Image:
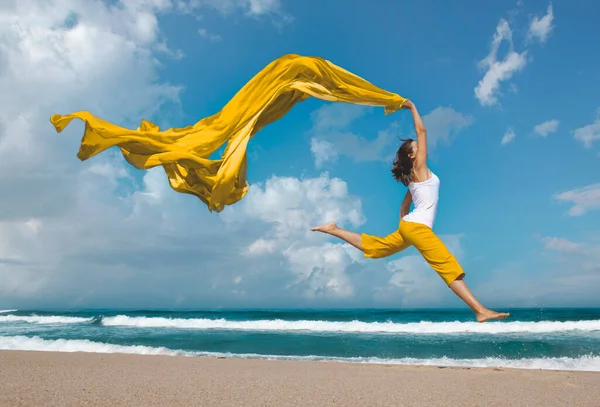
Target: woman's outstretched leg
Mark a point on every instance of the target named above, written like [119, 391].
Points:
[373, 247]
[355, 239]
[483, 314]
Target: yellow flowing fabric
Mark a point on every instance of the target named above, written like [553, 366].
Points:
[184, 152]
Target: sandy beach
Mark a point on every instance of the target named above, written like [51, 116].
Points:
[89, 379]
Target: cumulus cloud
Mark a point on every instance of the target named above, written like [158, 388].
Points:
[498, 70]
[544, 129]
[262, 246]
[332, 135]
[290, 207]
[321, 270]
[508, 137]
[322, 151]
[103, 61]
[583, 199]
[540, 28]
[97, 232]
[589, 134]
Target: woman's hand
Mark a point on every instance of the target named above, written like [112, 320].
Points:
[407, 104]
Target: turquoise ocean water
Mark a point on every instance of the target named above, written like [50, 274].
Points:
[532, 338]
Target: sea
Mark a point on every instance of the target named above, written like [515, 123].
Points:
[556, 339]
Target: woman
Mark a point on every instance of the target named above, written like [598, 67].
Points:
[415, 229]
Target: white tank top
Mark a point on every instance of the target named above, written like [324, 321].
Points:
[425, 197]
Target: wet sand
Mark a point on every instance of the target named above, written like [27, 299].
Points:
[91, 379]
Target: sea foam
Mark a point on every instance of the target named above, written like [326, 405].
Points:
[44, 319]
[583, 363]
[424, 327]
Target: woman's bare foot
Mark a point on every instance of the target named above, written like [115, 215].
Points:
[489, 314]
[331, 228]
[326, 228]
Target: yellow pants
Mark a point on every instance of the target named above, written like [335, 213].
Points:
[423, 239]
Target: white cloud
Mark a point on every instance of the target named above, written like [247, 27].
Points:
[562, 245]
[294, 205]
[410, 283]
[291, 207]
[589, 134]
[262, 246]
[564, 273]
[260, 7]
[502, 70]
[544, 281]
[102, 62]
[252, 8]
[256, 9]
[508, 137]
[543, 129]
[209, 36]
[332, 136]
[322, 151]
[443, 123]
[584, 257]
[584, 199]
[541, 27]
[321, 270]
[90, 233]
[356, 147]
[336, 116]
[498, 71]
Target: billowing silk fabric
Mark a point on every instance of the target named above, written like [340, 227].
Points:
[184, 152]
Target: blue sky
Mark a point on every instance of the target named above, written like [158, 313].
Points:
[509, 95]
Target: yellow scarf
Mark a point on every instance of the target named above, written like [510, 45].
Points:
[184, 152]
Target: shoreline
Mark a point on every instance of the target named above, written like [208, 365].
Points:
[112, 379]
[298, 359]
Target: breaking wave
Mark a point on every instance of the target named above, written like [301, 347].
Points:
[583, 363]
[44, 319]
[424, 327]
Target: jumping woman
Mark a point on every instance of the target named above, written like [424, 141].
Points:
[415, 229]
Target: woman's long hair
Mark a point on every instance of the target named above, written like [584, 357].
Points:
[403, 164]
